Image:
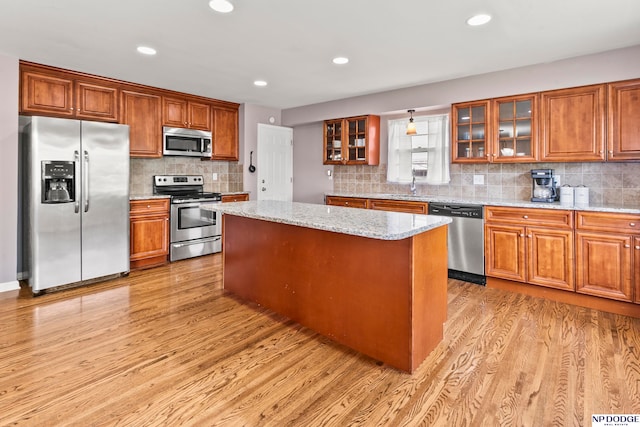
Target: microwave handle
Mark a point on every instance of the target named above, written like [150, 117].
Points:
[206, 145]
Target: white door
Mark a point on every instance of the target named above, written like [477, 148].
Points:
[275, 163]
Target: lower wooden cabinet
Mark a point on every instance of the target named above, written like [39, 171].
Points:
[608, 255]
[399, 206]
[351, 202]
[540, 254]
[149, 232]
[235, 198]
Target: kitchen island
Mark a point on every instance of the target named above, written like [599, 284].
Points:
[373, 281]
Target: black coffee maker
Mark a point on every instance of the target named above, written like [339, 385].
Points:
[544, 186]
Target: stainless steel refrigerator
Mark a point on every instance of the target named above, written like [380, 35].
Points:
[75, 201]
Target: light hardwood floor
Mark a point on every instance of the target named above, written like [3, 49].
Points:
[168, 346]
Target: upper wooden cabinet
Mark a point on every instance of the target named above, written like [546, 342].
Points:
[141, 111]
[470, 132]
[623, 142]
[225, 134]
[51, 93]
[352, 141]
[497, 130]
[184, 113]
[573, 124]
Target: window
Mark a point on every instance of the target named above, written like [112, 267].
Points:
[424, 155]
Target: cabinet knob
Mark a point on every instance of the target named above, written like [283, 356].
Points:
[637, 247]
[148, 206]
[529, 235]
[526, 217]
[522, 235]
[632, 224]
[610, 151]
[627, 246]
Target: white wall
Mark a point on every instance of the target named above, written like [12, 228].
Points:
[8, 172]
[250, 116]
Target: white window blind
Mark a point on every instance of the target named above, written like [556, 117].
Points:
[425, 155]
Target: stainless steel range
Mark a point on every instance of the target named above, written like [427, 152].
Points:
[194, 231]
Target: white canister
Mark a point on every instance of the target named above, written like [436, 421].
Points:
[581, 196]
[566, 195]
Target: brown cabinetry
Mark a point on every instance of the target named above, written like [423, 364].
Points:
[225, 134]
[51, 93]
[235, 198]
[141, 111]
[184, 113]
[399, 206]
[352, 141]
[530, 245]
[607, 253]
[573, 124]
[470, 131]
[351, 202]
[623, 142]
[149, 232]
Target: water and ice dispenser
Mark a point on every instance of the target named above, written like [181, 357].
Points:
[58, 181]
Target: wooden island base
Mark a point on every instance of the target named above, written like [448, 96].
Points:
[384, 298]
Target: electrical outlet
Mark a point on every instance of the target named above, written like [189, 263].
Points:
[478, 179]
[558, 181]
[214, 176]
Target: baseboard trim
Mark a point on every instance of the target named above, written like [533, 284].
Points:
[10, 286]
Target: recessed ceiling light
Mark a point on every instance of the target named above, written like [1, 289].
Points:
[146, 50]
[340, 60]
[222, 6]
[479, 19]
[260, 83]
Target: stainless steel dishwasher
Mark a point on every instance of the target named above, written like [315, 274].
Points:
[465, 240]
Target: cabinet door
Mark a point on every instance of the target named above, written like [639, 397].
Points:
[199, 116]
[96, 102]
[333, 153]
[515, 135]
[636, 270]
[174, 112]
[572, 124]
[505, 252]
[550, 258]
[45, 94]
[361, 140]
[624, 126]
[149, 236]
[603, 265]
[469, 132]
[141, 111]
[225, 134]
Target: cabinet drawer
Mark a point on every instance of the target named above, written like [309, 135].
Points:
[608, 222]
[149, 206]
[235, 198]
[351, 202]
[398, 206]
[547, 217]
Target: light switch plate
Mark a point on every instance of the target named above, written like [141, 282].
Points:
[214, 176]
[478, 179]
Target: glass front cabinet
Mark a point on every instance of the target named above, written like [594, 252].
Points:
[496, 130]
[352, 141]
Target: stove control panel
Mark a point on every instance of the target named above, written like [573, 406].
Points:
[182, 180]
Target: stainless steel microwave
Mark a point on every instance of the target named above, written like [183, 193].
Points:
[186, 142]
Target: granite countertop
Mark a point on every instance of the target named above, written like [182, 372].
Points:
[491, 202]
[357, 222]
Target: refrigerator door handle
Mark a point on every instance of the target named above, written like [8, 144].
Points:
[76, 158]
[85, 181]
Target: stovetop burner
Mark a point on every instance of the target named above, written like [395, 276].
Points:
[183, 188]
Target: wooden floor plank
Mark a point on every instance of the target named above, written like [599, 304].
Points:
[169, 346]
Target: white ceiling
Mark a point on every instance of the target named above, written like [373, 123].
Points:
[290, 43]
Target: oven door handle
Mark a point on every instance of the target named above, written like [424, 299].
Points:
[196, 242]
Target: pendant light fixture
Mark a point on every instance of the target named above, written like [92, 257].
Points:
[411, 127]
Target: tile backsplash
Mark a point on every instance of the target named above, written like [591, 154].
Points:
[609, 183]
[143, 170]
